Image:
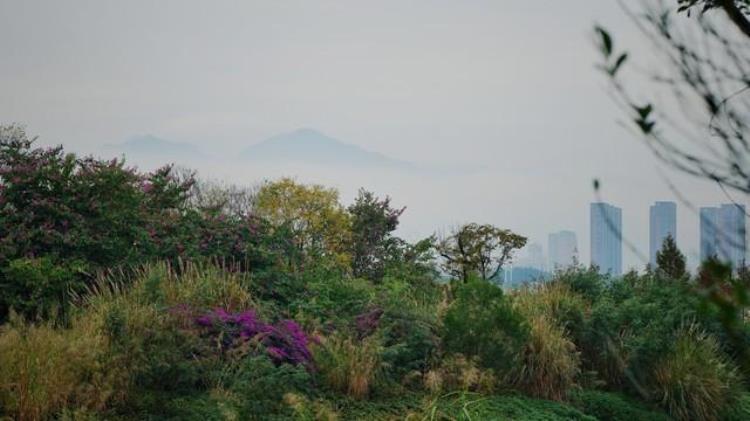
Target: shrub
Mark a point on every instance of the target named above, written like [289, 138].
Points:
[284, 342]
[695, 381]
[38, 288]
[549, 364]
[587, 282]
[349, 366]
[257, 387]
[409, 342]
[481, 322]
[333, 299]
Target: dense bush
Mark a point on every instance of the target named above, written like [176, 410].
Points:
[39, 288]
[284, 342]
[695, 381]
[82, 215]
[481, 322]
[260, 387]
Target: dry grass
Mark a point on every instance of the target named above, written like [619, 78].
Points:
[45, 370]
[458, 373]
[550, 362]
[349, 366]
[308, 410]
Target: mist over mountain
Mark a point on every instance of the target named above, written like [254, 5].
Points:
[310, 146]
[148, 148]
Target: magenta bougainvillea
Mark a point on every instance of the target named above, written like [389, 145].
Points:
[283, 342]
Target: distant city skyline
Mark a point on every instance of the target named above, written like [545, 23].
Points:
[722, 233]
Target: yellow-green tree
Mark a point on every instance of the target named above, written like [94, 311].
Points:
[312, 215]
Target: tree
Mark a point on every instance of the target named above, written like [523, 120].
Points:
[373, 221]
[318, 224]
[670, 260]
[479, 250]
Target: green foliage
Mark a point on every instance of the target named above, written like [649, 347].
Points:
[614, 407]
[586, 282]
[670, 261]
[482, 322]
[470, 406]
[333, 299]
[738, 409]
[373, 221]
[39, 289]
[260, 387]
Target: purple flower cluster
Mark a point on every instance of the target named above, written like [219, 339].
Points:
[284, 342]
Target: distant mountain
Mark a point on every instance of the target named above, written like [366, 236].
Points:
[152, 147]
[313, 147]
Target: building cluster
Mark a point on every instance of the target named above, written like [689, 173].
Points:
[722, 235]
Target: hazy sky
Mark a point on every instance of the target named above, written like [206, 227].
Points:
[506, 86]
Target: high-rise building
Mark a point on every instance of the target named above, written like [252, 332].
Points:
[662, 223]
[562, 249]
[535, 256]
[722, 233]
[709, 233]
[606, 238]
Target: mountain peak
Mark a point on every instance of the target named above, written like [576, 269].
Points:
[307, 145]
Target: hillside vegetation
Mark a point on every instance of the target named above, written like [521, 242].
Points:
[126, 295]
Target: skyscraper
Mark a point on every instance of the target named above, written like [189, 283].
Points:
[662, 222]
[722, 232]
[709, 233]
[535, 256]
[562, 249]
[606, 238]
[732, 239]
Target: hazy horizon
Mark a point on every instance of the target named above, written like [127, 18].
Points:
[500, 101]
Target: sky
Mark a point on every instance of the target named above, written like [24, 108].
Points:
[508, 89]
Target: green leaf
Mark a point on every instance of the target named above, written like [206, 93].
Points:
[644, 112]
[620, 60]
[606, 41]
